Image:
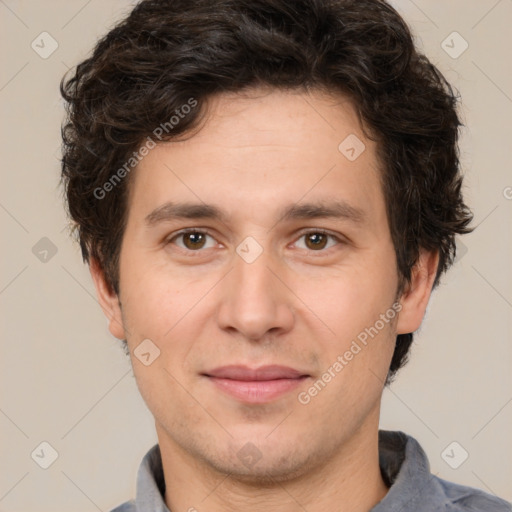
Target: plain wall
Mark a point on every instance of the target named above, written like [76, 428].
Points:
[65, 380]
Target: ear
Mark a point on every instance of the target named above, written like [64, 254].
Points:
[109, 301]
[416, 294]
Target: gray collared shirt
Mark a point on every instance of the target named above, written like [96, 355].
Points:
[404, 467]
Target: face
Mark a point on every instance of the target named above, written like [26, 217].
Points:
[258, 261]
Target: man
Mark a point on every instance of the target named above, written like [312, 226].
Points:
[266, 193]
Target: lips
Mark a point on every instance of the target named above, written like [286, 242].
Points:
[273, 372]
[256, 386]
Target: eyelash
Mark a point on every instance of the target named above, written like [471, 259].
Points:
[203, 231]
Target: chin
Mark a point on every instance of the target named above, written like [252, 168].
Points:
[263, 474]
[265, 466]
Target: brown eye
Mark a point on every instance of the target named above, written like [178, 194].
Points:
[316, 241]
[193, 240]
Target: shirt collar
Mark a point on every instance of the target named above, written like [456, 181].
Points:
[151, 483]
[405, 466]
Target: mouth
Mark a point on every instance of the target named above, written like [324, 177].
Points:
[259, 385]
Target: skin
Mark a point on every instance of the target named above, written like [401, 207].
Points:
[295, 305]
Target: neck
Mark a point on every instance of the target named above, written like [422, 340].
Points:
[350, 481]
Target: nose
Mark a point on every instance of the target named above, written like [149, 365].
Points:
[255, 303]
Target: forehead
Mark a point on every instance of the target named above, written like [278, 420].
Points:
[273, 117]
[266, 147]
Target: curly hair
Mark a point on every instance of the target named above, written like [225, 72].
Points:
[166, 52]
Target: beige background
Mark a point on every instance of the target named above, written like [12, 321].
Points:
[66, 381]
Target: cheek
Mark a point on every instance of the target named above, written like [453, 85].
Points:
[351, 304]
[155, 301]
[347, 301]
[354, 374]
[169, 311]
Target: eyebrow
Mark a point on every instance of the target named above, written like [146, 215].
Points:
[170, 211]
[331, 209]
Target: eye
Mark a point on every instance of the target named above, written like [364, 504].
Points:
[317, 240]
[196, 239]
[193, 240]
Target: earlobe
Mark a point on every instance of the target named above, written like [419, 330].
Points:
[415, 297]
[108, 299]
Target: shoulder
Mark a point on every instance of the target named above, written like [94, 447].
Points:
[412, 486]
[129, 506]
[460, 498]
